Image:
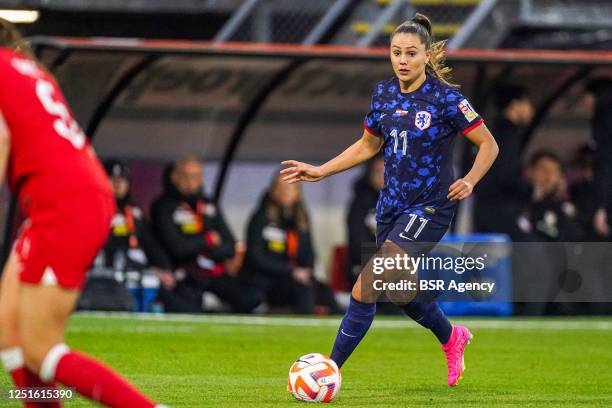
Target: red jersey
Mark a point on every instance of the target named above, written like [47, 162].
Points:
[46, 143]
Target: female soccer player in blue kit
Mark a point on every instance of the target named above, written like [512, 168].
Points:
[414, 118]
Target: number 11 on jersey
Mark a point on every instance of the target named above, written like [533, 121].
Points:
[404, 136]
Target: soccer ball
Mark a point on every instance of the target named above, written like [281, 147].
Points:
[314, 378]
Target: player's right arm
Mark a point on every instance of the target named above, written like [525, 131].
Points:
[4, 147]
[360, 151]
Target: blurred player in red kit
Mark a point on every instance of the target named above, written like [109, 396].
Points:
[68, 201]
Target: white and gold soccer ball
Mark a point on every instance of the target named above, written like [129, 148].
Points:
[314, 378]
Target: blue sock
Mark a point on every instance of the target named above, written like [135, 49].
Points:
[430, 316]
[354, 326]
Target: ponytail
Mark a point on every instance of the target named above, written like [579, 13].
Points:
[421, 26]
[11, 38]
[436, 65]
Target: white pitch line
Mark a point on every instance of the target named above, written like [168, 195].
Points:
[499, 324]
[158, 328]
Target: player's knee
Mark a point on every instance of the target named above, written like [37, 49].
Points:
[357, 295]
[33, 356]
[363, 290]
[44, 359]
[35, 348]
[356, 292]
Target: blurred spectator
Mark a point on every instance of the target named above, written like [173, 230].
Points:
[129, 229]
[549, 215]
[600, 97]
[280, 252]
[501, 194]
[362, 214]
[200, 245]
[131, 254]
[583, 192]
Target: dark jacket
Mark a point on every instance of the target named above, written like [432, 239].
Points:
[550, 220]
[131, 236]
[274, 249]
[183, 226]
[361, 221]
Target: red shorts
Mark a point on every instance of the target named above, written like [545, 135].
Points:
[63, 233]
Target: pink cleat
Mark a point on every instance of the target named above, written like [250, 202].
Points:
[454, 349]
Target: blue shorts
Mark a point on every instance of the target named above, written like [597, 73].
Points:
[417, 231]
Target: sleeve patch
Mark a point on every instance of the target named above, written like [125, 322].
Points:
[467, 110]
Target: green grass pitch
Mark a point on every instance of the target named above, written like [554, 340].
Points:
[226, 361]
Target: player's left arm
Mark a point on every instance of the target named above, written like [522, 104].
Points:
[487, 152]
[4, 147]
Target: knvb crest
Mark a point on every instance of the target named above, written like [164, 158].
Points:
[422, 120]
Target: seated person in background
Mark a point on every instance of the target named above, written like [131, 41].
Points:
[549, 216]
[195, 235]
[131, 255]
[280, 254]
[361, 219]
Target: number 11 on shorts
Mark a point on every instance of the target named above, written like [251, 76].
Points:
[406, 232]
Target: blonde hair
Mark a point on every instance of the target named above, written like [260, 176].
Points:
[11, 38]
[421, 26]
[274, 212]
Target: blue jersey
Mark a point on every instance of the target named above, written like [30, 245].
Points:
[418, 130]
